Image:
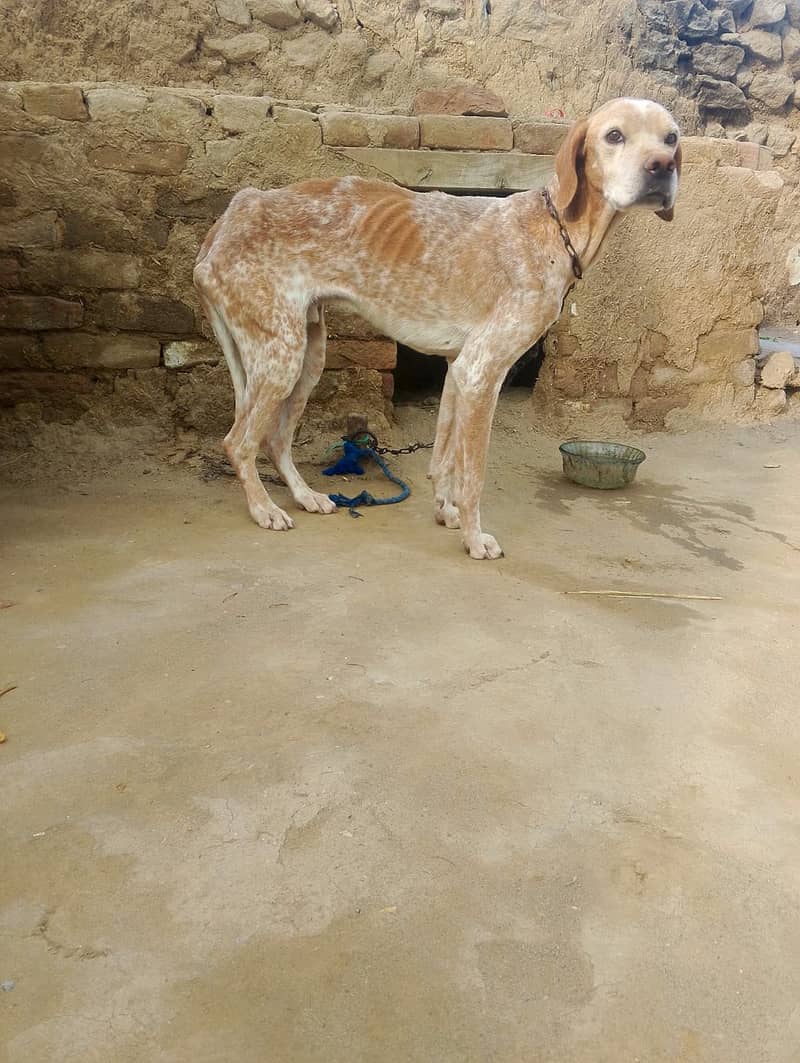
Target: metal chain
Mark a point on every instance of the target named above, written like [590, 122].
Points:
[573, 254]
[410, 449]
[370, 440]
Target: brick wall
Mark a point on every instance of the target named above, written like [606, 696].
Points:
[106, 192]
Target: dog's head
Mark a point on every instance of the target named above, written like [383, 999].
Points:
[628, 152]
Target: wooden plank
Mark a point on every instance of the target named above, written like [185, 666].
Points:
[457, 171]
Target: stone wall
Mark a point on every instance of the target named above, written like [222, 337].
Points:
[106, 192]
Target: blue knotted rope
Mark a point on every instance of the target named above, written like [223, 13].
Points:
[349, 463]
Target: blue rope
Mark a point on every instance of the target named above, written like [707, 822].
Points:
[365, 498]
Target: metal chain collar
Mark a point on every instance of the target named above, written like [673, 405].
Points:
[573, 254]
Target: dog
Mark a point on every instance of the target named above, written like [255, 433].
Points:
[476, 279]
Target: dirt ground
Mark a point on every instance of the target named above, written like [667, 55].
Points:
[342, 794]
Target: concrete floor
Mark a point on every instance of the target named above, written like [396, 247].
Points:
[344, 795]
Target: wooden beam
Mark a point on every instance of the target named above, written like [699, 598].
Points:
[457, 171]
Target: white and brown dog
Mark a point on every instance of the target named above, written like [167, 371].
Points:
[475, 279]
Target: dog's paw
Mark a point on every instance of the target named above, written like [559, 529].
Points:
[447, 514]
[314, 502]
[272, 517]
[484, 548]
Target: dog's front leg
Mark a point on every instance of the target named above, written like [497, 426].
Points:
[475, 408]
[478, 373]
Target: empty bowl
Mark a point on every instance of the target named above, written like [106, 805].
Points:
[601, 465]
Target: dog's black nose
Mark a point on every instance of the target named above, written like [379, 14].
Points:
[660, 165]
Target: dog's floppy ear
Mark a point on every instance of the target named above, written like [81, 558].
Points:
[568, 165]
[669, 213]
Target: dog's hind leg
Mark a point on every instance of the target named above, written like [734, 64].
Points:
[229, 349]
[273, 361]
[279, 446]
[442, 467]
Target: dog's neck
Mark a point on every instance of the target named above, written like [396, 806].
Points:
[588, 222]
[590, 229]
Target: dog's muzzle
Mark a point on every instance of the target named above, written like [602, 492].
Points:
[658, 190]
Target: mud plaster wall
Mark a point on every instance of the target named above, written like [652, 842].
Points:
[107, 192]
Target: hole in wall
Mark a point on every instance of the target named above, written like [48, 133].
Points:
[421, 376]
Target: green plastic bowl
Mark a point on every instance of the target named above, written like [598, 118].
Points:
[600, 465]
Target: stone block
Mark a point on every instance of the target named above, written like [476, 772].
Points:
[85, 268]
[769, 403]
[140, 312]
[744, 372]
[87, 349]
[388, 385]
[380, 65]
[241, 114]
[308, 51]
[21, 351]
[55, 101]
[457, 133]
[780, 140]
[154, 157]
[221, 153]
[344, 323]
[243, 48]
[15, 148]
[460, 100]
[767, 12]
[762, 45]
[778, 370]
[540, 138]
[179, 115]
[772, 88]
[321, 12]
[369, 130]
[727, 346]
[113, 231]
[791, 50]
[235, 11]
[110, 103]
[207, 207]
[369, 354]
[726, 153]
[293, 116]
[444, 8]
[37, 313]
[35, 230]
[280, 14]
[719, 60]
[715, 95]
[754, 157]
[10, 272]
[184, 354]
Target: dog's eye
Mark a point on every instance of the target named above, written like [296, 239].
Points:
[671, 138]
[614, 136]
